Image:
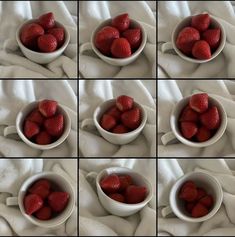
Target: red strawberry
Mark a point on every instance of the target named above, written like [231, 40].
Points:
[104, 39]
[32, 203]
[188, 183]
[110, 184]
[199, 102]
[131, 118]
[43, 138]
[47, 43]
[47, 20]
[121, 48]
[120, 129]
[188, 129]
[40, 190]
[115, 112]
[207, 201]
[47, 107]
[135, 194]
[124, 102]
[117, 197]
[125, 181]
[203, 134]
[133, 36]
[211, 118]
[58, 201]
[186, 39]
[199, 210]
[188, 194]
[200, 193]
[31, 129]
[29, 35]
[44, 213]
[36, 117]
[189, 115]
[107, 122]
[121, 22]
[42, 182]
[58, 33]
[189, 206]
[201, 50]
[55, 125]
[212, 37]
[201, 22]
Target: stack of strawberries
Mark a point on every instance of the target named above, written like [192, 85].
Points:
[123, 117]
[43, 35]
[122, 189]
[199, 120]
[118, 40]
[199, 40]
[198, 202]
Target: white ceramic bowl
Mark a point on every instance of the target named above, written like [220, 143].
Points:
[119, 208]
[115, 138]
[38, 57]
[203, 180]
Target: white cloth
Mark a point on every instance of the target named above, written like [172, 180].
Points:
[92, 13]
[171, 13]
[13, 172]
[94, 219]
[92, 94]
[171, 91]
[13, 64]
[223, 222]
[14, 94]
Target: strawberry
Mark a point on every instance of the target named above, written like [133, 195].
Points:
[188, 129]
[55, 125]
[203, 134]
[188, 194]
[131, 118]
[201, 22]
[47, 20]
[42, 182]
[135, 194]
[107, 122]
[211, 118]
[115, 112]
[40, 190]
[133, 36]
[30, 33]
[199, 102]
[104, 39]
[189, 115]
[117, 197]
[120, 129]
[58, 33]
[207, 201]
[47, 107]
[199, 210]
[121, 48]
[189, 206]
[58, 201]
[188, 183]
[125, 181]
[32, 203]
[110, 184]
[212, 37]
[43, 138]
[186, 39]
[47, 43]
[31, 129]
[200, 193]
[201, 50]
[36, 117]
[121, 22]
[44, 213]
[124, 102]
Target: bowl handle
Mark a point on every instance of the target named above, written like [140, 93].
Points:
[85, 47]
